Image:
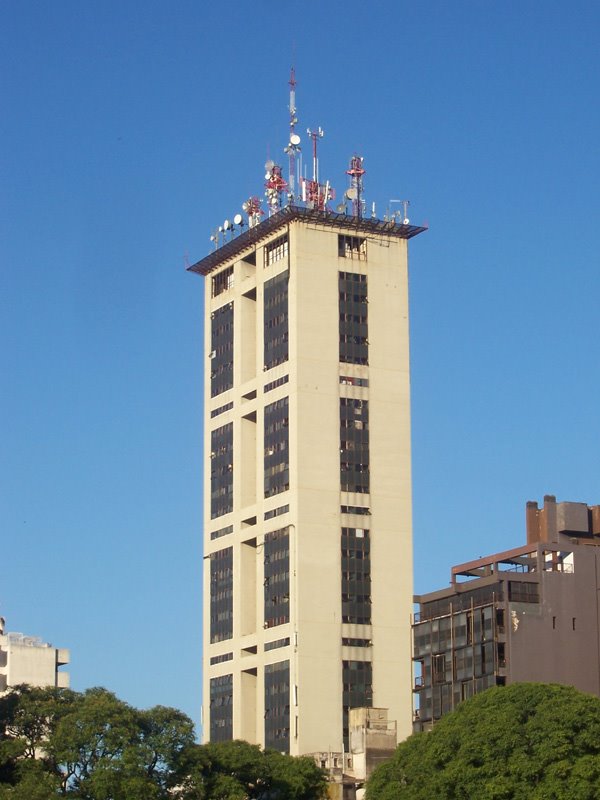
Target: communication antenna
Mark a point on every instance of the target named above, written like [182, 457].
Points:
[294, 141]
[275, 186]
[397, 216]
[315, 136]
[253, 210]
[355, 191]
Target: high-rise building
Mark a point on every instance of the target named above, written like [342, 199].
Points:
[307, 494]
[527, 614]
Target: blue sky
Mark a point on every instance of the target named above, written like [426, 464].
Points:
[129, 131]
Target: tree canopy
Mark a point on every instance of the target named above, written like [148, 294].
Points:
[520, 742]
[93, 746]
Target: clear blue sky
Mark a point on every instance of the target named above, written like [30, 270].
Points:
[129, 131]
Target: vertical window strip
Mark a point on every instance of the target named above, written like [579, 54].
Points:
[276, 332]
[221, 373]
[354, 445]
[221, 470]
[277, 706]
[356, 576]
[277, 578]
[221, 595]
[276, 448]
[353, 309]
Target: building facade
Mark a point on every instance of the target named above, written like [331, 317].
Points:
[307, 493]
[27, 659]
[527, 614]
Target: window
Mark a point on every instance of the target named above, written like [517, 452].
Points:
[277, 706]
[221, 708]
[221, 595]
[276, 321]
[276, 450]
[221, 532]
[276, 512]
[221, 373]
[222, 281]
[221, 470]
[352, 247]
[353, 305]
[277, 644]
[221, 410]
[274, 384]
[356, 576]
[276, 251]
[357, 680]
[277, 578]
[221, 659]
[523, 592]
[354, 445]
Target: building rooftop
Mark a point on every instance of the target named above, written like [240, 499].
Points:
[291, 213]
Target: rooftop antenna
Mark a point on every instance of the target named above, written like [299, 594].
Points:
[275, 186]
[396, 215]
[315, 194]
[294, 141]
[315, 136]
[355, 191]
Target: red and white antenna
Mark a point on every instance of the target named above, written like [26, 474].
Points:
[253, 210]
[275, 186]
[315, 194]
[294, 142]
[355, 190]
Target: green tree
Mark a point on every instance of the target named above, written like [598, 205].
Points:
[93, 746]
[521, 742]
[237, 770]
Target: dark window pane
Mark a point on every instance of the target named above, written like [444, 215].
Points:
[277, 577]
[221, 373]
[277, 706]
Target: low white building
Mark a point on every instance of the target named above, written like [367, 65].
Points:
[27, 659]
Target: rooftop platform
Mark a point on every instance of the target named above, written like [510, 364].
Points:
[346, 222]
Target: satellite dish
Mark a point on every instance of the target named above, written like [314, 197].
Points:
[294, 139]
[352, 193]
[244, 206]
[226, 225]
[267, 176]
[405, 221]
[238, 219]
[269, 165]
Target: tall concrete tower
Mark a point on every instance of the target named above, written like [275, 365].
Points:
[307, 494]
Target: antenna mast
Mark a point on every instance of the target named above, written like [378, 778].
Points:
[294, 142]
[354, 193]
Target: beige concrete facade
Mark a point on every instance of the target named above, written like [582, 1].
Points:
[314, 509]
[26, 659]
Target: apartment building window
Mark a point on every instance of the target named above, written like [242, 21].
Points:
[277, 578]
[354, 445]
[352, 247]
[221, 708]
[222, 281]
[356, 576]
[221, 470]
[276, 251]
[221, 355]
[523, 592]
[276, 451]
[276, 331]
[221, 595]
[353, 305]
[357, 680]
[277, 706]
